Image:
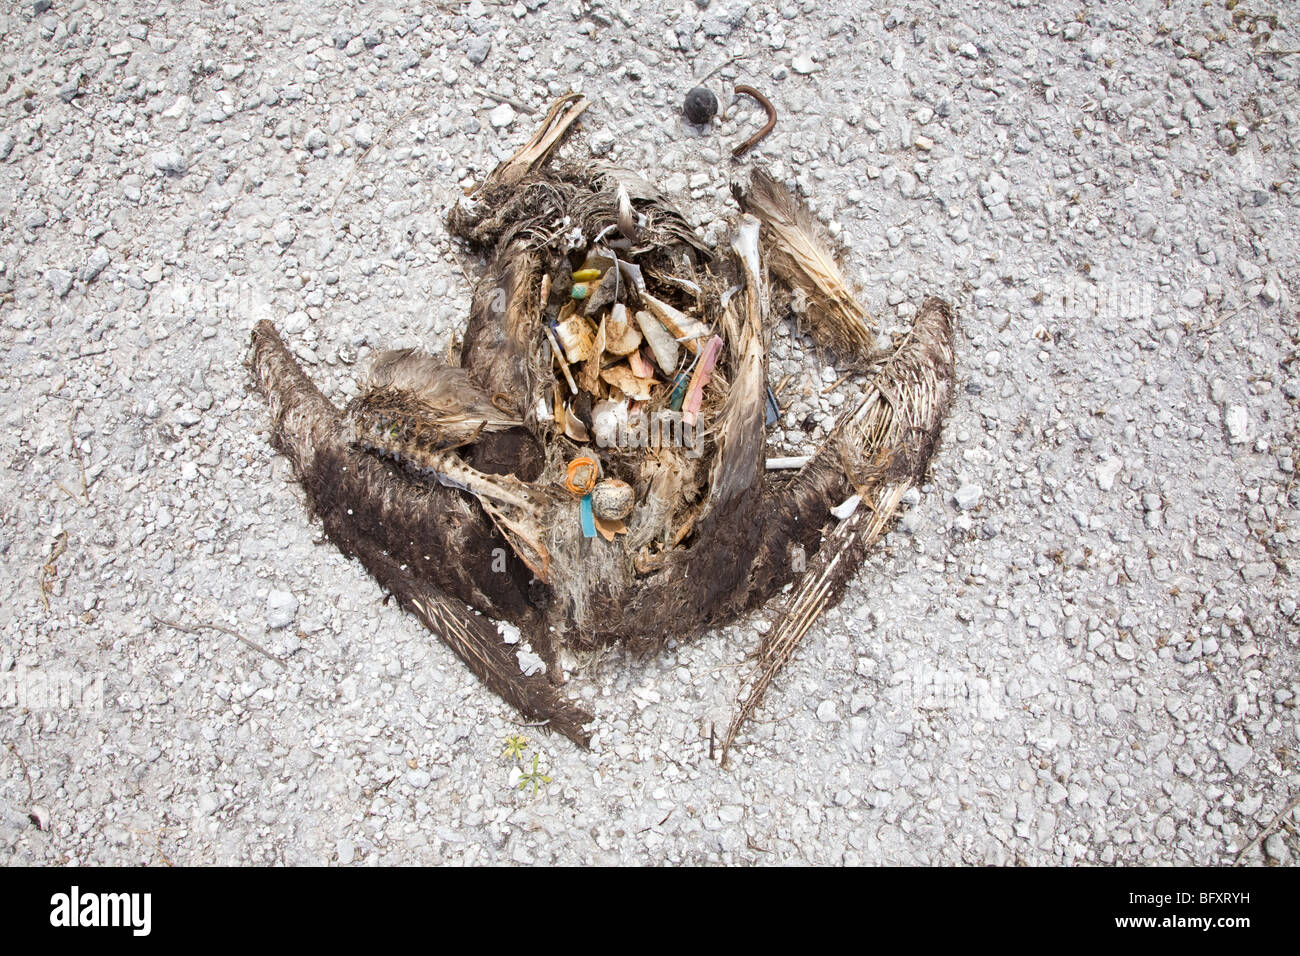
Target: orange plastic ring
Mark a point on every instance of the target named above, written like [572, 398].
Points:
[582, 476]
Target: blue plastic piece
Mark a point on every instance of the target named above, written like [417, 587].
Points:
[679, 391]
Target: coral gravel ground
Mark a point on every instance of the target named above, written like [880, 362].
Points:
[1079, 646]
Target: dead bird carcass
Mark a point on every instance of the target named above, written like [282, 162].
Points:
[594, 470]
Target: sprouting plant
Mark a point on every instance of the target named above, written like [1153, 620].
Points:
[534, 776]
[516, 744]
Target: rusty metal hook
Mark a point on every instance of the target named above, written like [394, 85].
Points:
[754, 140]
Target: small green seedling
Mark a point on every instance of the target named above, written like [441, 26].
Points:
[516, 744]
[535, 777]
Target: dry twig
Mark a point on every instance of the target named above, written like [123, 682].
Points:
[198, 629]
[515, 104]
[81, 464]
[31, 793]
[49, 570]
[366, 152]
[1264, 834]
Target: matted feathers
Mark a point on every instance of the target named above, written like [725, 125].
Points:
[803, 256]
[738, 437]
[414, 402]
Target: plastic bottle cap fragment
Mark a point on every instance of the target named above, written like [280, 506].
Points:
[582, 476]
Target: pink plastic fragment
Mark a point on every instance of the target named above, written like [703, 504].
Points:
[703, 372]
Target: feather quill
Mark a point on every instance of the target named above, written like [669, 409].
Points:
[803, 256]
